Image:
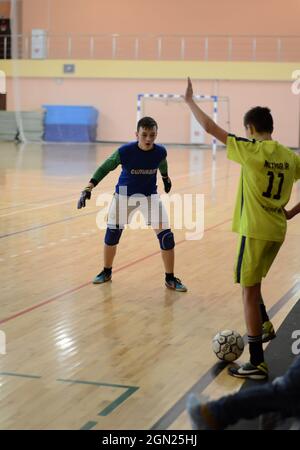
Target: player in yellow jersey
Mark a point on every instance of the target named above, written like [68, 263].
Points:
[268, 172]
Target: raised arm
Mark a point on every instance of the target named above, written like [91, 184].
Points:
[207, 123]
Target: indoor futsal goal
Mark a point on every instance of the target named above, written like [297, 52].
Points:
[176, 123]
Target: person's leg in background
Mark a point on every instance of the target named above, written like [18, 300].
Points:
[282, 396]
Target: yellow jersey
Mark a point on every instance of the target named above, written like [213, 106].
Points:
[268, 172]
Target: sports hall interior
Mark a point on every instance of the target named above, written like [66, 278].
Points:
[124, 355]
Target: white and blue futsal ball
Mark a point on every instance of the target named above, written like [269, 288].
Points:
[228, 345]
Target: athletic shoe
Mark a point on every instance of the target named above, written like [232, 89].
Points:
[176, 284]
[248, 370]
[200, 415]
[102, 277]
[268, 331]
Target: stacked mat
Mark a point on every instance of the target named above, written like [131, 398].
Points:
[8, 126]
[33, 126]
[70, 123]
[30, 121]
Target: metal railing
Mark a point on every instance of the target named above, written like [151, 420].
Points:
[154, 47]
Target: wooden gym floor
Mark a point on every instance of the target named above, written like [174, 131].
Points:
[121, 355]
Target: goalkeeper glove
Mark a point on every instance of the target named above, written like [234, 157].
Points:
[85, 195]
[167, 183]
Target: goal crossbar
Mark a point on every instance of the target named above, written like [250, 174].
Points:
[215, 99]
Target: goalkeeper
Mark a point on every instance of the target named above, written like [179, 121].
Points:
[140, 161]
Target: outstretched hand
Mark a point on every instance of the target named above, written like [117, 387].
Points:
[85, 195]
[189, 91]
[167, 184]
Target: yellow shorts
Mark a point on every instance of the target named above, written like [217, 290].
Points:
[254, 259]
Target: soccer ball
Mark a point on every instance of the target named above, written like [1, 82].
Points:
[228, 345]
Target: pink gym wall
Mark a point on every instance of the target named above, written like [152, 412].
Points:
[116, 102]
[5, 9]
[116, 99]
[230, 17]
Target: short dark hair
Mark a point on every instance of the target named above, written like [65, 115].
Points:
[261, 118]
[146, 122]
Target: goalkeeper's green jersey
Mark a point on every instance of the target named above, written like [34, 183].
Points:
[268, 172]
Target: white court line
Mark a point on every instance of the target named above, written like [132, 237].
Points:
[13, 205]
[177, 177]
[50, 244]
[38, 207]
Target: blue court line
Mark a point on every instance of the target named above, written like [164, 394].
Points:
[89, 425]
[95, 383]
[130, 390]
[23, 375]
[107, 410]
[113, 405]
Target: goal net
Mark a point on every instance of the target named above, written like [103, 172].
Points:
[176, 124]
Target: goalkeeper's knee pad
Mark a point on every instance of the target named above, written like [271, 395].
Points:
[166, 239]
[112, 236]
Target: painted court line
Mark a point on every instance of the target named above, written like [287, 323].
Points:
[22, 375]
[49, 205]
[167, 419]
[12, 206]
[43, 303]
[72, 199]
[129, 390]
[89, 425]
[37, 227]
[13, 233]
[17, 205]
[69, 291]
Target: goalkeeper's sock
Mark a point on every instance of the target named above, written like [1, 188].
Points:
[169, 276]
[107, 270]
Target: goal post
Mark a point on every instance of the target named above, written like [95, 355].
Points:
[195, 128]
